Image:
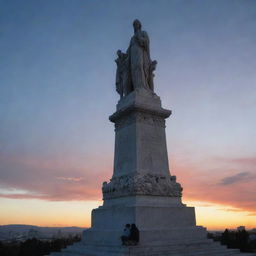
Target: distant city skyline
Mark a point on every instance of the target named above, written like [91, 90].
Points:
[57, 90]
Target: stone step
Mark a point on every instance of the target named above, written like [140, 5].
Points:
[138, 249]
[55, 254]
[176, 244]
[205, 248]
[161, 254]
[215, 252]
[229, 252]
[201, 251]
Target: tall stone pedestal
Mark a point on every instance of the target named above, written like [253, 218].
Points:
[143, 192]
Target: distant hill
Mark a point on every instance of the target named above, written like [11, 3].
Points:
[8, 232]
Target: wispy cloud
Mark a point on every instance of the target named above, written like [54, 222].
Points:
[249, 161]
[237, 178]
[37, 178]
[75, 179]
[231, 209]
[251, 214]
[244, 160]
[206, 183]
[63, 181]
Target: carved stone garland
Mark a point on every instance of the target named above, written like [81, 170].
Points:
[141, 184]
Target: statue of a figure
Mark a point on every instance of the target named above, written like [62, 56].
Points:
[140, 61]
[123, 85]
[135, 68]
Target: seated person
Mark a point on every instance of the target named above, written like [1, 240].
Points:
[134, 235]
[126, 234]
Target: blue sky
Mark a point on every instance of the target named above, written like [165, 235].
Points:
[57, 90]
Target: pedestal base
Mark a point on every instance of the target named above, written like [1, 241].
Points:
[156, 224]
[167, 228]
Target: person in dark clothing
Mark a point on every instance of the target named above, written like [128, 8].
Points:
[134, 235]
[126, 234]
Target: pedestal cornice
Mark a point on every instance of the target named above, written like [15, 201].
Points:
[142, 108]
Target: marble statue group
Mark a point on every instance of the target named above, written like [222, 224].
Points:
[135, 68]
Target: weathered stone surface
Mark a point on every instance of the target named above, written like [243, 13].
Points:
[141, 184]
[142, 200]
[149, 237]
[146, 218]
[141, 160]
[140, 140]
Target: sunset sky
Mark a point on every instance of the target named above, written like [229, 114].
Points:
[57, 89]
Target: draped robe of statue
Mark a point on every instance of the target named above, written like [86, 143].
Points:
[138, 52]
[123, 80]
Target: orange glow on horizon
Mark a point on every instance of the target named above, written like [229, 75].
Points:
[47, 213]
[218, 216]
[78, 213]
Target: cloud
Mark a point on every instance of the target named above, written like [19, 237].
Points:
[75, 179]
[51, 179]
[63, 179]
[205, 183]
[231, 209]
[251, 214]
[205, 205]
[245, 161]
[239, 177]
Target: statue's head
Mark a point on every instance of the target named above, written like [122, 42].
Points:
[119, 53]
[136, 25]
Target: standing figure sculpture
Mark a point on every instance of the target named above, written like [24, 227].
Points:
[139, 57]
[135, 68]
[123, 85]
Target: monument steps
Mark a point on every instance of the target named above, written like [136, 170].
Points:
[175, 245]
[208, 248]
[205, 252]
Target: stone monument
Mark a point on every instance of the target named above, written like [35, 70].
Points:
[141, 190]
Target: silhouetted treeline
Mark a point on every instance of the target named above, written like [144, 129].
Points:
[35, 247]
[236, 240]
